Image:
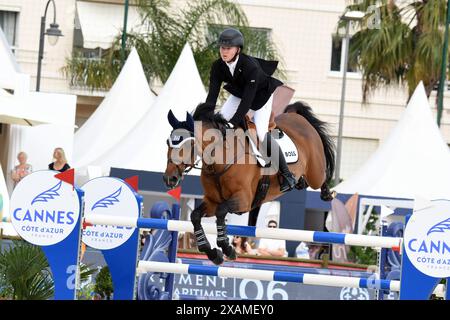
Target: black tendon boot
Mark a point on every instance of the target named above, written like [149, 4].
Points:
[287, 181]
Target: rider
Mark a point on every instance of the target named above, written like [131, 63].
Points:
[249, 82]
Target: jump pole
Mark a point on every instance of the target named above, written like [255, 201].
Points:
[246, 231]
[266, 275]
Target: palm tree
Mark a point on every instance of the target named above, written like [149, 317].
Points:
[167, 31]
[25, 273]
[404, 48]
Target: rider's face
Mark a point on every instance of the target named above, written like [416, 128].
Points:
[228, 53]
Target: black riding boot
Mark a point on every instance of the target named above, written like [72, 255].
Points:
[287, 181]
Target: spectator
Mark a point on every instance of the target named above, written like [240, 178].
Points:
[60, 162]
[302, 251]
[22, 169]
[272, 247]
[316, 251]
[143, 238]
[241, 245]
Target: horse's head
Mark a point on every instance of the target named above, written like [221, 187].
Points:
[180, 153]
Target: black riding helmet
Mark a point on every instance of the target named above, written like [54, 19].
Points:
[231, 38]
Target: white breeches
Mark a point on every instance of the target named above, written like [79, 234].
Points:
[261, 117]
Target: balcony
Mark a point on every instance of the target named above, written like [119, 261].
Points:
[90, 74]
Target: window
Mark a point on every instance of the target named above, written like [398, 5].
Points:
[8, 23]
[337, 55]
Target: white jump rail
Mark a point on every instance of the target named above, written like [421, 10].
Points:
[246, 231]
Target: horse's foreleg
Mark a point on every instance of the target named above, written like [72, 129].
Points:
[203, 245]
[222, 238]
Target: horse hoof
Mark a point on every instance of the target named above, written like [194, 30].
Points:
[301, 184]
[328, 196]
[231, 254]
[216, 256]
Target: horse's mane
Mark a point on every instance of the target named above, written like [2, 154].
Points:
[204, 113]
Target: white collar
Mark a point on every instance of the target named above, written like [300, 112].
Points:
[232, 65]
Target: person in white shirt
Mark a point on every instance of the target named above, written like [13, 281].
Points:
[272, 247]
[302, 251]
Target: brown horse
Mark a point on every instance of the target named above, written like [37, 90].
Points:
[232, 186]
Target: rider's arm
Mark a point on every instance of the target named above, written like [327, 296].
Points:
[215, 81]
[247, 97]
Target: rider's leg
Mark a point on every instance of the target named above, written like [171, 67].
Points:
[288, 180]
[262, 118]
[203, 245]
[229, 107]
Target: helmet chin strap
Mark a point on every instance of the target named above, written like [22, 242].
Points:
[236, 55]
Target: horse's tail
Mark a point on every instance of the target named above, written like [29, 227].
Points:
[303, 109]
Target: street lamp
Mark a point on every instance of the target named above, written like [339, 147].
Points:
[348, 17]
[53, 34]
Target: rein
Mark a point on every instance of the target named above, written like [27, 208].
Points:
[209, 169]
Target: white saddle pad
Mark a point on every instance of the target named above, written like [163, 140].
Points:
[287, 147]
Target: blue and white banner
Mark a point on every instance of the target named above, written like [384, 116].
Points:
[114, 198]
[427, 238]
[44, 210]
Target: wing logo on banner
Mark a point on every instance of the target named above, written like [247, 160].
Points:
[440, 227]
[49, 194]
[108, 200]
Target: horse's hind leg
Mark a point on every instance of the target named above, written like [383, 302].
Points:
[325, 193]
[203, 245]
[222, 238]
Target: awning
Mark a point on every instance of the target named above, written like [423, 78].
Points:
[100, 23]
[34, 108]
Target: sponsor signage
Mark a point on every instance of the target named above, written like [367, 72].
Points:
[112, 197]
[427, 239]
[44, 210]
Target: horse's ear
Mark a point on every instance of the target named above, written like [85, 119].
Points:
[172, 120]
[190, 121]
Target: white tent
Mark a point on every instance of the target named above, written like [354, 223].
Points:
[414, 159]
[144, 148]
[124, 105]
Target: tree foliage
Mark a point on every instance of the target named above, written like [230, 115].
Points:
[403, 47]
[162, 35]
[24, 273]
[103, 283]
